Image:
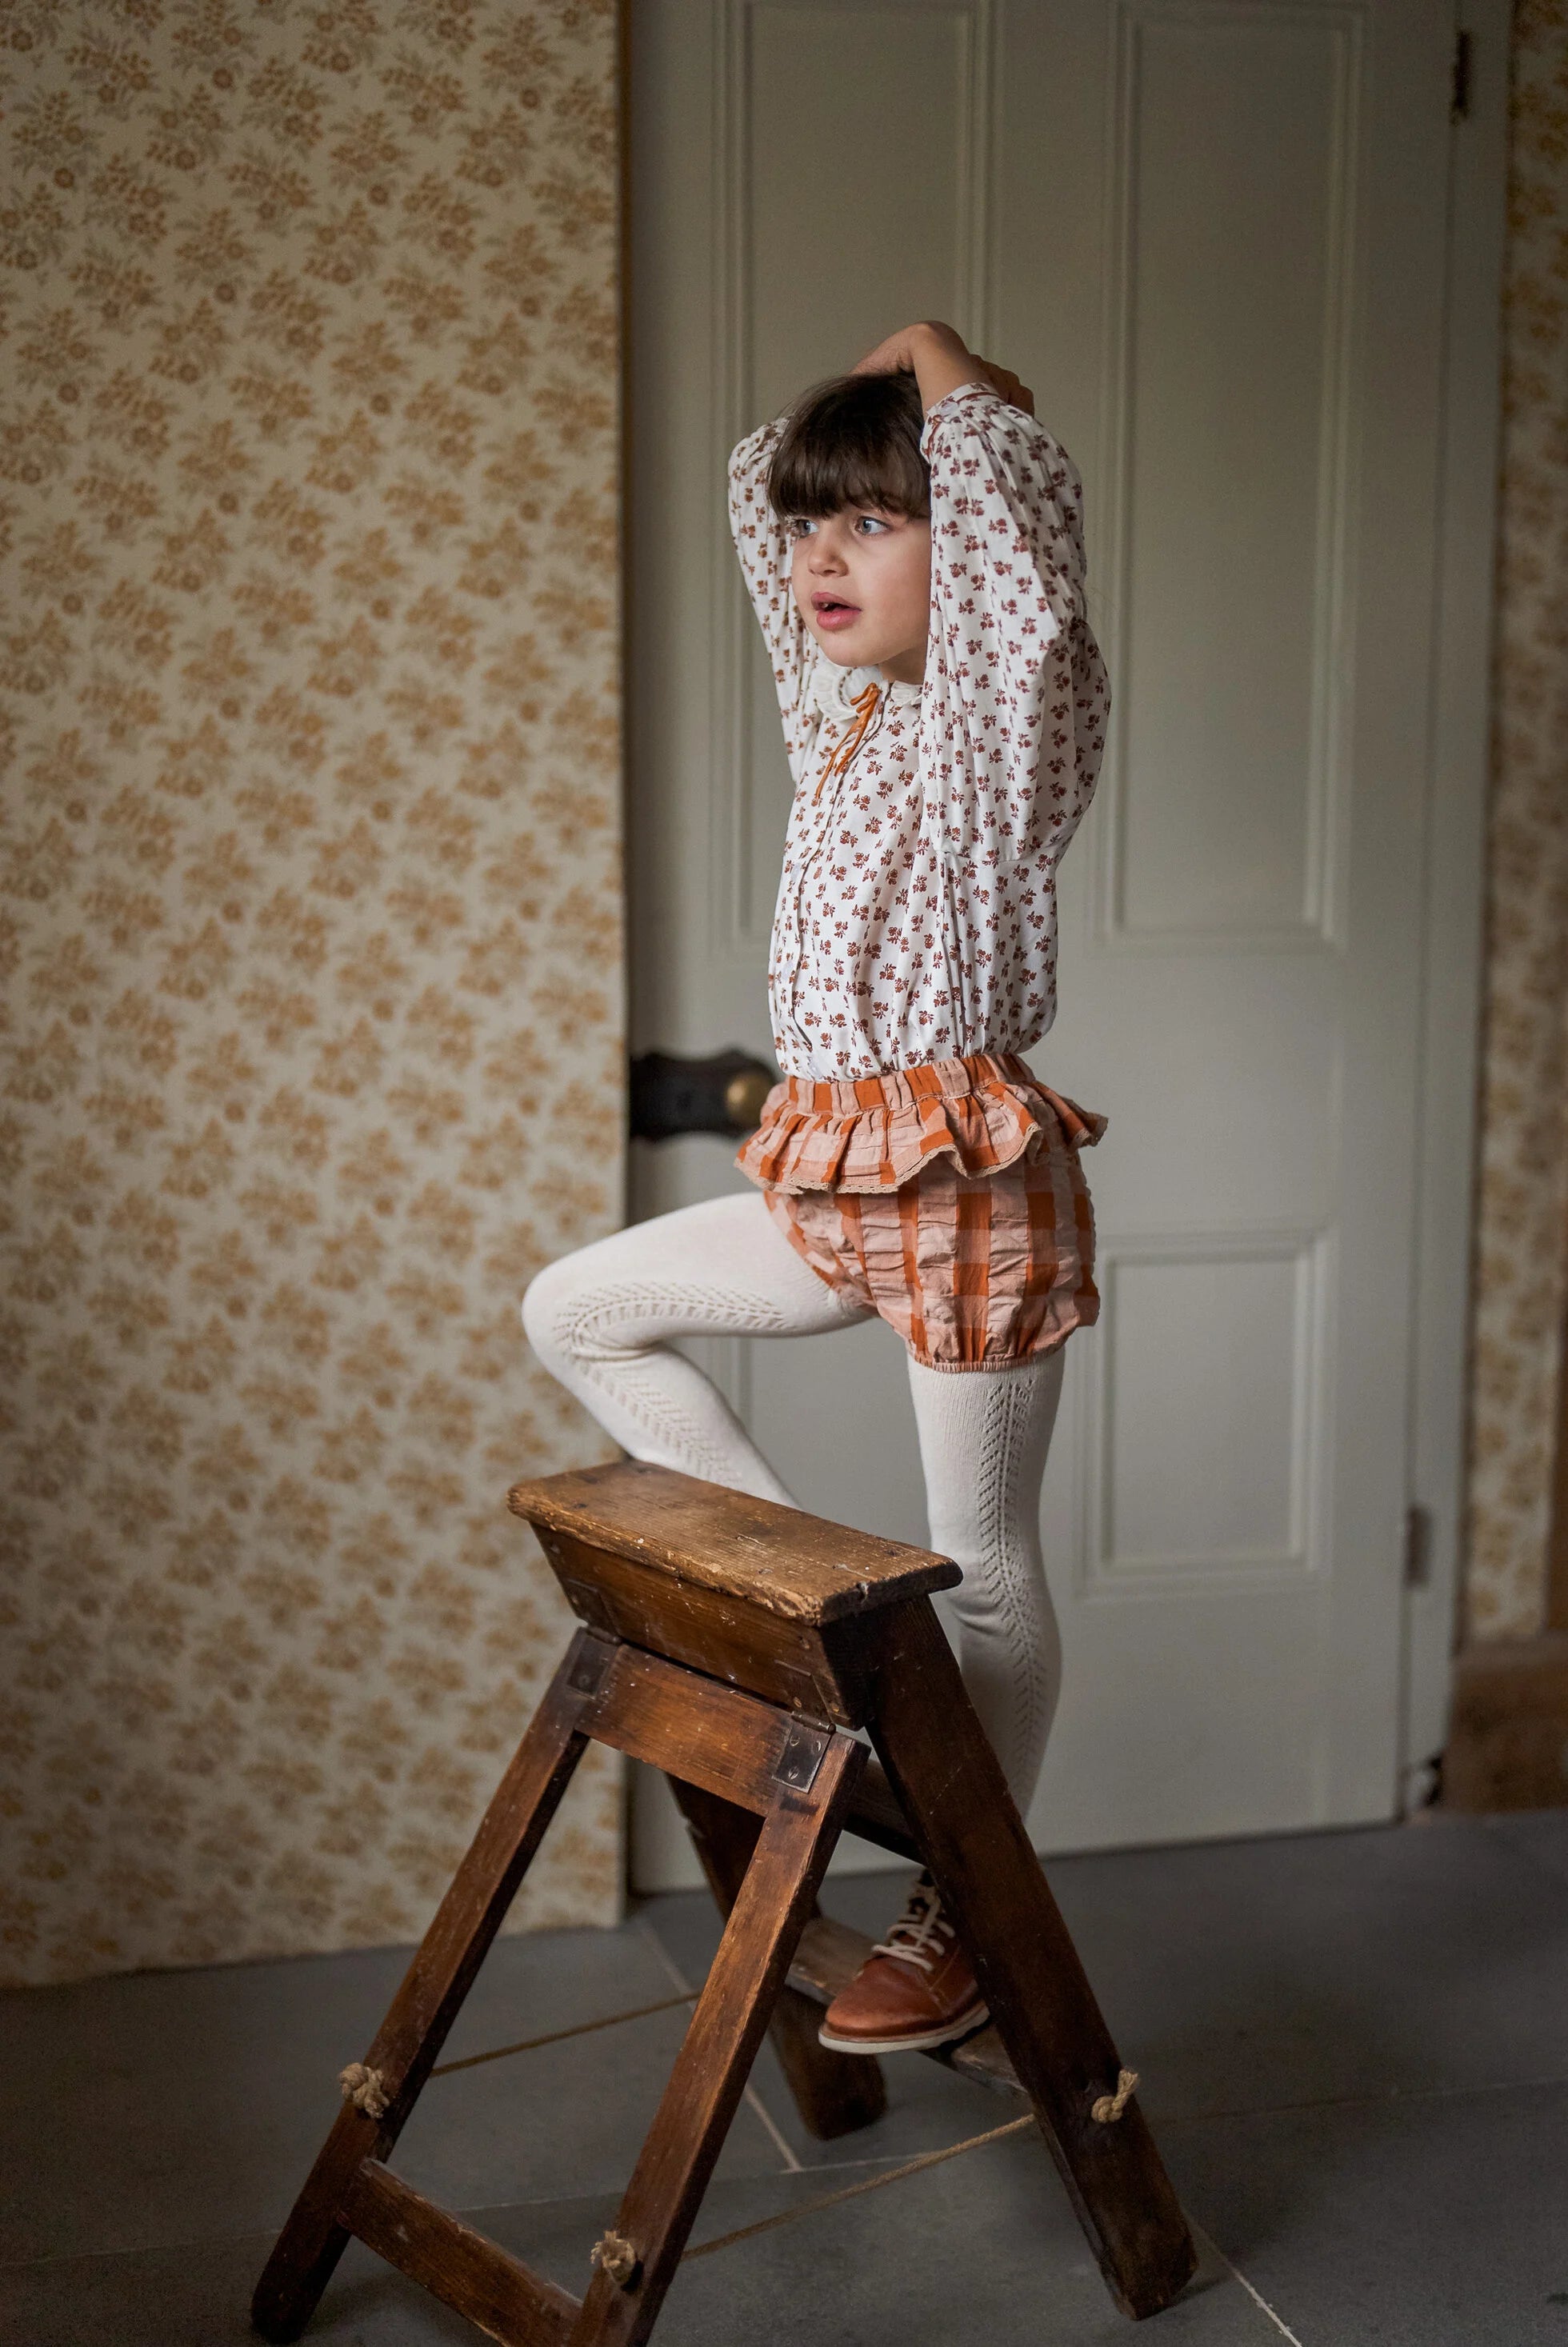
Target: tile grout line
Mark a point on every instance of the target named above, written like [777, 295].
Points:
[1384, 2101]
[792, 2167]
[1256, 2297]
[750, 2096]
[266, 2235]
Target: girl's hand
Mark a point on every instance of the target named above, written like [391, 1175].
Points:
[940, 361]
[897, 353]
[1006, 385]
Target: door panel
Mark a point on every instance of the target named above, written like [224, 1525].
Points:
[1230, 155]
[1213, 237]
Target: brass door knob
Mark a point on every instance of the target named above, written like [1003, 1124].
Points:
[722, 1094]
[744, 1093]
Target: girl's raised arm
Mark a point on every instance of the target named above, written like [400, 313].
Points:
[1016, 698]
[940, 362]
[763, 545]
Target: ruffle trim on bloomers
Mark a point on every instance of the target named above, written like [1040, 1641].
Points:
[875, 1132]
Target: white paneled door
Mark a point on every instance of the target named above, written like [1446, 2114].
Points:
[1213, 235]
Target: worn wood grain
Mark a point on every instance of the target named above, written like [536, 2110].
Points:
[471, 2274]
[784, 1660]
[729, 1743]
[781, 1559]
[705, 2086]
[835, 2094]
[950, 1786]
[722, 1635]
[410, 2038]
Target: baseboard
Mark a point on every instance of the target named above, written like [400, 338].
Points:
[1508, 1743]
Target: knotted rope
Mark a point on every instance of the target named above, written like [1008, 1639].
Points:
[617, 2257]
[366, 2089]
[613, 2254]
[1107, 2107]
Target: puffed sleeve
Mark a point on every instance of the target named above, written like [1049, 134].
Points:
[1016, 699]
[764, 548]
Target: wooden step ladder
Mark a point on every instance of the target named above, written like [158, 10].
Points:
[736, 1645]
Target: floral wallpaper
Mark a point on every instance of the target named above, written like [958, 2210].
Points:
[310, 923]
[1521, 1260]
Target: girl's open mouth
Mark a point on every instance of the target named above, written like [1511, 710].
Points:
[832, 613]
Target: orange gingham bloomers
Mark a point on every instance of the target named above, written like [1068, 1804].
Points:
[916, 912]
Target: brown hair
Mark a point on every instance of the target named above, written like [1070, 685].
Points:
[855, 441]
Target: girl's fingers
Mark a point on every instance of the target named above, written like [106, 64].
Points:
[1006, 385]
[885, 359]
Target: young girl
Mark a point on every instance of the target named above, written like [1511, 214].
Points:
[912, 542]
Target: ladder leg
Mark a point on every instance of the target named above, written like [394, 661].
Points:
[437, 1981]
[672, 2169]
[834, 2092]
[956, 1798]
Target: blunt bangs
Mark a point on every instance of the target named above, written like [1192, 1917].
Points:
[855, 441]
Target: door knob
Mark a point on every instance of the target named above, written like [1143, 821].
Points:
[723, 1093]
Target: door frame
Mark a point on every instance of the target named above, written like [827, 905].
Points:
[1454, 897]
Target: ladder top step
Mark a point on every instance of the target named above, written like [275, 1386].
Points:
[778, 1557]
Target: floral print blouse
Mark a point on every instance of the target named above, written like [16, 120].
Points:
[916, 912]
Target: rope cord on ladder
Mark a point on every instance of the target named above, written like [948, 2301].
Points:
[554, 2037]
[1107, 2109]
[852, 2191]
[367, 2088]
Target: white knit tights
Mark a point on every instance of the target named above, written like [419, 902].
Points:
[601, 1321]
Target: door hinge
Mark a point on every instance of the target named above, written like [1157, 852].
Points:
[1459, 87]
[1418, 1547]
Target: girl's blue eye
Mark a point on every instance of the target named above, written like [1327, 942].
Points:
[801, 527]
[868, 522]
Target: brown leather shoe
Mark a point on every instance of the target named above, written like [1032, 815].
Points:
[916, 1989]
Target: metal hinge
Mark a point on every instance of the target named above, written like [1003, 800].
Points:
[801, 1757]
[1459, 87]
[1418, 1547]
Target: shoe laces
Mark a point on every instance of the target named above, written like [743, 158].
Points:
[920, 1935]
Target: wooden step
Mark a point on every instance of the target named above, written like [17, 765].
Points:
[701, 1535]
[828, 1958]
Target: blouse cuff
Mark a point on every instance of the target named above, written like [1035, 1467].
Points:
[953, 403]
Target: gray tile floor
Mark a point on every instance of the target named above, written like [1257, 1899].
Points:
[1353, 2049]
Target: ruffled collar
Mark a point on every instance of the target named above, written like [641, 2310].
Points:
[836, 691]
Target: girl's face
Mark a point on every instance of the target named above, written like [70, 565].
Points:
[862, 583]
